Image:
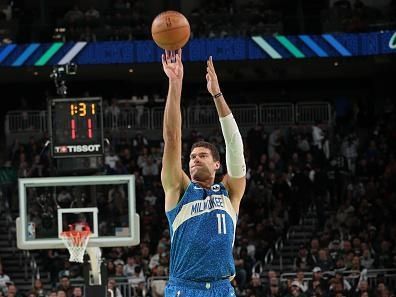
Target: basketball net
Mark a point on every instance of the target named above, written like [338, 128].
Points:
[76, 242]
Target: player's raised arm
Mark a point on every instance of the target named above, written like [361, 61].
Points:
[174, 180]
[236, 169]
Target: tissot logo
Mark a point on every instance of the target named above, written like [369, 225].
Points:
[64, 149]
[392, 41]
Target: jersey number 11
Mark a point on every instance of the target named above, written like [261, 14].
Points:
[221, 224]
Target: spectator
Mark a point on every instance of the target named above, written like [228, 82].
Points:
[323, 261]
[77, 292]
[295, 290]
[300, 279]
[362, 287]
[110, 268]
[274, 142]
[274, 289]
[64, 286]
[110, 160]
[65, 270]
[366, 260]
[256, 288]
[272, 274]
[137, 277]
[339, 278]
[4, 278]
[349, 150]
[145, 257]
[301, 260]
[334, 249]
[158, 285]
[61, 293]
[313, 252]
[112, 286]
[54, 264]
[129, 267]
[144, 155]
[317, 137]
[240, 271]
[139, 142]
[340, 264]
[384, 257]
[38, 288]
[337, 176]
[356, 263]
[150, 198]
[303, 143]
[12, 291]
[112, 113]
[38, 168]
[119, 270]
[317, 280]
[149, 169]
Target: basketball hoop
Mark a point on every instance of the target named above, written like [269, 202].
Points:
[76, 242]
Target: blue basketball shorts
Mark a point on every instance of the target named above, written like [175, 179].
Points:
[183, 288]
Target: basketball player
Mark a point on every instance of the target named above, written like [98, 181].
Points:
[202, 214]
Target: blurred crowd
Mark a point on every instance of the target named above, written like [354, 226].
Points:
[359, 16]
[128, 20]
[131, 19]
[345, 172]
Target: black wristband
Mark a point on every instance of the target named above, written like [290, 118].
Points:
[218, 95]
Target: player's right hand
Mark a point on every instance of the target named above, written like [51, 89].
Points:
[172, 64]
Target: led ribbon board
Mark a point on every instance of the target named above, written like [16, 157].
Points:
[253, 48]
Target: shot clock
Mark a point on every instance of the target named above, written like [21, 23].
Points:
[76, 127]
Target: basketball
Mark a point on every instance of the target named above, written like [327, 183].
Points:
[170, 30]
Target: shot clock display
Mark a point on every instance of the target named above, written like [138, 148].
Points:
[76, 127]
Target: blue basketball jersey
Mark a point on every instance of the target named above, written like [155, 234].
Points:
[202, 228]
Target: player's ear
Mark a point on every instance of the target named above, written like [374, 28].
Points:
[217, 165]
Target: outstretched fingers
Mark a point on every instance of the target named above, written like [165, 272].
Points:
[163, 59]
[210, 67]
[178, 56]
[210, 71]
[178, 52]
[210, 62]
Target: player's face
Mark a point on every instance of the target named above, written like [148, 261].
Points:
[202, 165]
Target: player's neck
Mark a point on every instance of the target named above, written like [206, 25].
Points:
[204, 183]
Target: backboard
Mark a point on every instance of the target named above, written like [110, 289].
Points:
[49, 206]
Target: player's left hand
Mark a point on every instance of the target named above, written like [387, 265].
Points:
[172, 64]
[211, 78]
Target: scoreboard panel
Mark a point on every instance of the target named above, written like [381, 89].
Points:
[76, 127]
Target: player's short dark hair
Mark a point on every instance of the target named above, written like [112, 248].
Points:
[213, 149]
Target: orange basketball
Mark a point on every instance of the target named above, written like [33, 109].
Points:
[170, 30]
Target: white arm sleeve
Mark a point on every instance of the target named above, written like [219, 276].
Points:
[235, 160]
